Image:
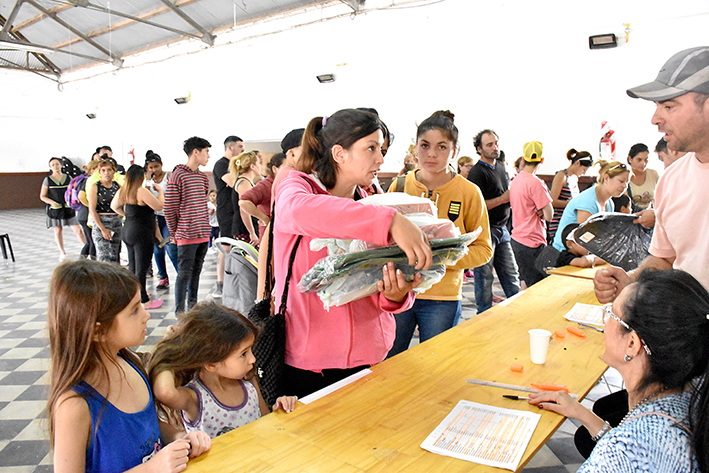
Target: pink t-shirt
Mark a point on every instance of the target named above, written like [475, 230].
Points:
[527, 194]
[682, 217]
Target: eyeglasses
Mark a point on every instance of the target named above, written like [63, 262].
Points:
[608, 312]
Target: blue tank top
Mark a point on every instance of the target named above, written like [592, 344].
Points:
[122, 440]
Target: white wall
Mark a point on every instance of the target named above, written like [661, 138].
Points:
[521, 67]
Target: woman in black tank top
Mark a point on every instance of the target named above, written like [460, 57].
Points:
[138, 205]
[245, 169]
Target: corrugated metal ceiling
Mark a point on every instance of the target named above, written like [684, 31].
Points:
[83, 33]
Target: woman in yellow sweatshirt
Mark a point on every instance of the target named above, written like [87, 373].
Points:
[457, 199]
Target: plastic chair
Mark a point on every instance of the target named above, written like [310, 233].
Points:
[3, 238]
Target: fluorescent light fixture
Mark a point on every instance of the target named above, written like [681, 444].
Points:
[323, 78]
[602, 41]
[32, 48]
[183, 100]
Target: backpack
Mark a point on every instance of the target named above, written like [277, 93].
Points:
[69, 168]
[71, 195]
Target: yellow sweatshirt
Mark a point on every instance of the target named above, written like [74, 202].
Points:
[460, 201]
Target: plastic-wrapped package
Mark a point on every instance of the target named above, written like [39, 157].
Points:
[615, 238]
[404, 203]
[434, 228]
[339, 279]
[363, 282]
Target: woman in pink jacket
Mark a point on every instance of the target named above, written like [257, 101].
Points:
[340, 154]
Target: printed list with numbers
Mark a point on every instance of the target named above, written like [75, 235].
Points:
[483, 434]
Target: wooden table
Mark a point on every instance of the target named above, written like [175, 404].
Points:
[576, 272]
[378, 422]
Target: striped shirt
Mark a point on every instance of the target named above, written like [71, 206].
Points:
[186, 206]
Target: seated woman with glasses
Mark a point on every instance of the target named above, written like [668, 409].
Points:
[655, 334]
[613, 180]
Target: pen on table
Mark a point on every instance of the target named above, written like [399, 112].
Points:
[597, 329]
[515, 398]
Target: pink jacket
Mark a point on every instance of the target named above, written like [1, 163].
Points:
[355, 334]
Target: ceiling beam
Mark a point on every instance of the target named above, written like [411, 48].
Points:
[5, 33]
[207, 37]
[115, 60]
[71, 53]
[128, 20]
[41, 16]
[14, 66]
[18, 36]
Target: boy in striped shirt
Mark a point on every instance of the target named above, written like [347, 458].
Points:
[188, 221]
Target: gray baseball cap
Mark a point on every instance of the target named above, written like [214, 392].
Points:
[686, 71]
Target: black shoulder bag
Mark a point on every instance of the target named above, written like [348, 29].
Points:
[270, 347]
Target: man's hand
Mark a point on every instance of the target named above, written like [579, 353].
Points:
[608, 282]
[646, 218]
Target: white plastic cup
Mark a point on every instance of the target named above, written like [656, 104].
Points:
[538, 345]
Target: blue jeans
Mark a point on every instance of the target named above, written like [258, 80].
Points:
[432, 317]
[159, 253]
[503, 260]
[190, 258]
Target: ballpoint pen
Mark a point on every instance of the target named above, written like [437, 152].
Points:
[515, 398]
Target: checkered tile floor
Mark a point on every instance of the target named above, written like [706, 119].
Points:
[24, 353]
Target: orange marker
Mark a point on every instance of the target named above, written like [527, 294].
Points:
[550, 387]
[516, 368]
[576, 332]
[560, 334]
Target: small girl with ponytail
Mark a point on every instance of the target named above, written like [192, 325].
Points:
[205, 368]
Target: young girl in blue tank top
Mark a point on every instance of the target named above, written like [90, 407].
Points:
[100, 409]
[202, 372]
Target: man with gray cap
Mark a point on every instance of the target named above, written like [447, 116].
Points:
[680, 92]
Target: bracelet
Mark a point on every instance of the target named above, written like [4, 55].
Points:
[604, 430]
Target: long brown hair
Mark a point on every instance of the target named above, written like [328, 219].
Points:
[135, 175]
[206, 334]
[84, 298]
[343, 128]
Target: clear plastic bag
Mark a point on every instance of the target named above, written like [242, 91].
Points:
[614, 238]
[404, 203]
[339, 279]
[433, 227]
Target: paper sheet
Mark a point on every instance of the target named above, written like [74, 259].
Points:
[334, 386]
[586, 314]
[484, 434]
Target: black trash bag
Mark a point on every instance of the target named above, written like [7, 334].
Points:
[615, 238]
